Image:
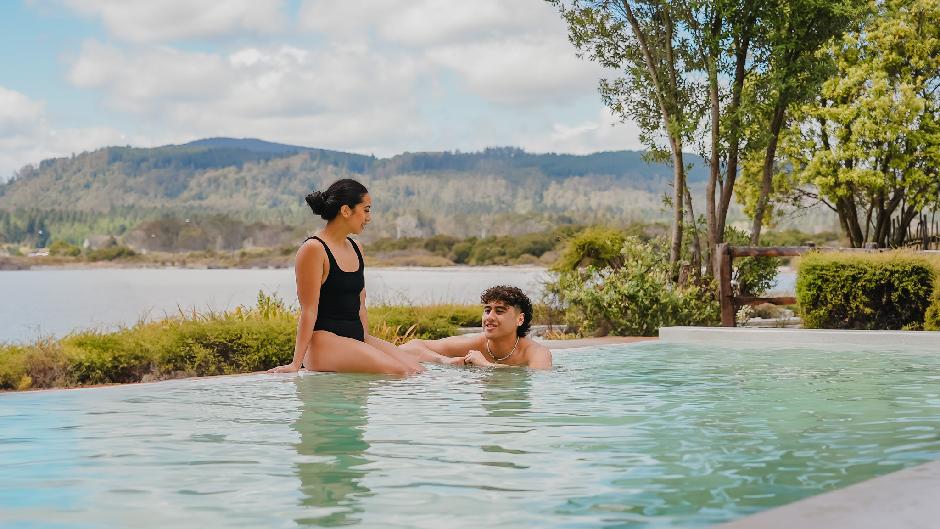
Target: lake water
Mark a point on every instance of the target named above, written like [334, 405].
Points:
[54, 302]
[36, 303]
[645, 436]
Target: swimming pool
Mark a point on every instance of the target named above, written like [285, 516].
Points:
[646, 435]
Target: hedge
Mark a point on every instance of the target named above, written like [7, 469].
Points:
[868, 291]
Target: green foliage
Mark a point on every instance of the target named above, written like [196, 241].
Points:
[794, 237]
[846, 291]
[110, 254]
[753, 275]
[62, 248]
[932, 315]
[13, 368]
[596, 246]
[636, 297]
[426, 322]
[499, 250]
[869, 145]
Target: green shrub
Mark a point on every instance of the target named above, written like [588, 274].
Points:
[635, 299]
[426, 322]
[111, 253]
[876, 291]
[932, 315]
[753, 275]
[597, 246]
[13, 373]
[62, 248]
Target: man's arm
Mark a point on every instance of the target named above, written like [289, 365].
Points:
[441, 351]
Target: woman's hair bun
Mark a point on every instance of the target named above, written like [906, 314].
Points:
[317, 202]
[345, 192]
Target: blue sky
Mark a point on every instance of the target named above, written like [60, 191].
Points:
[370, 76]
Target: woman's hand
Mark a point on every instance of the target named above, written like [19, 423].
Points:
[288, 368]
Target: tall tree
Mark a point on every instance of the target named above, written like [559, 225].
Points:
[869, 146]
[647, 43]
[795, 32]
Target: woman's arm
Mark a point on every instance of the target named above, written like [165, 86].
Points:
[363, 313]
[308, 270]
[444, 350]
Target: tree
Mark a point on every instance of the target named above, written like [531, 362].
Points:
[647, 43]
[869, 146]
[796, 31]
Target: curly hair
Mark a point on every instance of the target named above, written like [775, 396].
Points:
[511, 296]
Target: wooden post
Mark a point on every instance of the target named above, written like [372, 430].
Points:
[725, 294]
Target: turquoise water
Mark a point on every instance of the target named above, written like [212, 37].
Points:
[650, 435]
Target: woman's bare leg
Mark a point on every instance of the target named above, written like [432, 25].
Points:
[329, 352]
[395, 352]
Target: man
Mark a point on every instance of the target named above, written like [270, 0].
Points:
[507, 316]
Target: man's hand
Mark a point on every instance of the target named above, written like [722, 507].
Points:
[288, 368]
[455, 361]
[476, 358]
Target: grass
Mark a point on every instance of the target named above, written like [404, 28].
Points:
[244, 340]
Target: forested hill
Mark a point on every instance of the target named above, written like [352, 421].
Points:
[436, 192]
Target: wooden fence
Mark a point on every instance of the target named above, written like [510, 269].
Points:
[924, 235]
[724, 256]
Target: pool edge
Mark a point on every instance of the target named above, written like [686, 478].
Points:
[906, 498]
[764, 336]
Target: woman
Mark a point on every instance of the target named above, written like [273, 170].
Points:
[333, 331]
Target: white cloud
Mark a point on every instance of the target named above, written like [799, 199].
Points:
[505, 51]
[372, 76]
[604, 133]
[26, 137]
[168, 20]
[337, 98]
[18, 114]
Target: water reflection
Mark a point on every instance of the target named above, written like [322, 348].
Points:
[331, 425]
[505, 392]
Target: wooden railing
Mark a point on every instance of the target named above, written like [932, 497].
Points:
[725, 254]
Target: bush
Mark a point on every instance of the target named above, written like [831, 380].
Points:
[752, 275]
[111, 253]
[636, 298]
[932, 316]
[62, 248]
[850, 291]
[396, 322]
[596, 246]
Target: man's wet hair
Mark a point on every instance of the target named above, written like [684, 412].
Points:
[511, 296]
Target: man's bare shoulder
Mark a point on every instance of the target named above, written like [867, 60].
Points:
[538, 355]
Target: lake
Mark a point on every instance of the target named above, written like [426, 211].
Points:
[54, 302]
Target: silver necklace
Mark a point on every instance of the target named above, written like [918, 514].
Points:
[505, 357]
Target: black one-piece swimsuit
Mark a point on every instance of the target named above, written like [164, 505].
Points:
[338, 311]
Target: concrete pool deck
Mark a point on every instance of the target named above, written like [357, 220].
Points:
[903, 499]
[743, 336]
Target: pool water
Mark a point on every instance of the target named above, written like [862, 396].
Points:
[648, 435]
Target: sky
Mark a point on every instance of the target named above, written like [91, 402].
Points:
[377, 77]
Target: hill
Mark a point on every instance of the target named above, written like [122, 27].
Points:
[500, 190]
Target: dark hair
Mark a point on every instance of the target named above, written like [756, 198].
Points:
[511, 296]
[345, 192]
